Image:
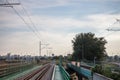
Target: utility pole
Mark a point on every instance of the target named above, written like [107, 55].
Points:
[40, 47]
[82, 47]
[9, 4]
[83, 51]
[5, 4]
[48, 54]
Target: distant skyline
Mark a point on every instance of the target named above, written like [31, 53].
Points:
[57, 21]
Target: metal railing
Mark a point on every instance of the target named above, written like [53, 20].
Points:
[65, 75]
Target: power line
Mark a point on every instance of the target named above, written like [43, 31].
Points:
[33, 26]
[110, 29]
[108, 34]
[25, 11]
[7, 4]
[25, 22]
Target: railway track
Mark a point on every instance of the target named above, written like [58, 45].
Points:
[43, 73]
[11, 68]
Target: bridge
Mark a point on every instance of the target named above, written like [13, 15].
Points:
[47, 71]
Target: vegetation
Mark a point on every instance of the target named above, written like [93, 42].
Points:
[106, 71]
[87, 46]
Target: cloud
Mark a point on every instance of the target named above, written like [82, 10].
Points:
[26, 42]
[97, 22]
[60, 43]
[45, 3]
[19, 43]
[58, 31]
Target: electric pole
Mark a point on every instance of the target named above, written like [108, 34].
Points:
[50, 48]
[40, 47]
[83, 51]
[9, 4]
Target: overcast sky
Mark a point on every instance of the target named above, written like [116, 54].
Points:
[57, 22]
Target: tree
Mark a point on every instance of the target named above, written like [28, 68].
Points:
[116, 58]
[87, 46]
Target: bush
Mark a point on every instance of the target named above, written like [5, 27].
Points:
[106, 71]
[97, 69]
[115, 76]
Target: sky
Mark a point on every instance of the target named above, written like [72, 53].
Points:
[56, 22]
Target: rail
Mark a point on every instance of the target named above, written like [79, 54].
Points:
[10, 69]
[43, 73]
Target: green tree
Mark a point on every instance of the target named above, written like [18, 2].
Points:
[116, 58]
[87, 46]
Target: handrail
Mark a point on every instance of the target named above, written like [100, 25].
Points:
[66, 76]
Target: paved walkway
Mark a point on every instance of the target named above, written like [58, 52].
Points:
[58, 75]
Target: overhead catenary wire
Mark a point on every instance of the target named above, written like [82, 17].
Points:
[28, 25]
[33, 25]
[107, 29]
[110, 29]
[26, 12]
[25, 22]
[113, 30]
[108, 34]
